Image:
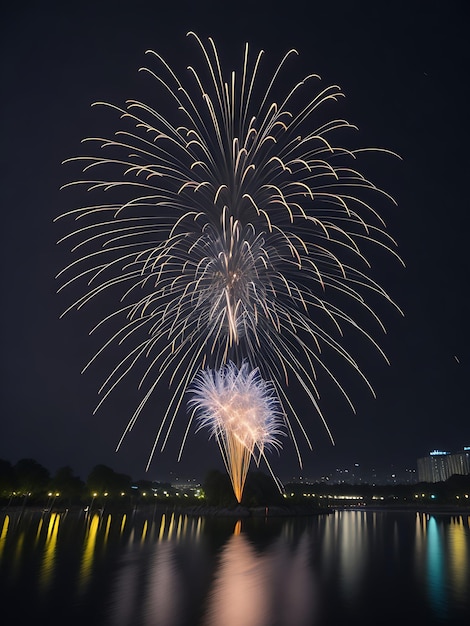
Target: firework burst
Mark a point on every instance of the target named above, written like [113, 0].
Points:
[232, 229]
[241, 411]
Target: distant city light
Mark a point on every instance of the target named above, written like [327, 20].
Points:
[436, 452]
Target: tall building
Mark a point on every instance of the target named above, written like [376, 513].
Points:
[439, 465]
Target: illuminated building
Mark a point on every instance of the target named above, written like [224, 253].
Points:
[439, 465]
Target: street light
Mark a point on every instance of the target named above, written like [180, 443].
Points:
[52, 497]
[88, 509]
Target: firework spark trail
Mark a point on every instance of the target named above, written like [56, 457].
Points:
[242, 412]
[234, 230]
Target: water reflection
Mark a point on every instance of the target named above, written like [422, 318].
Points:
[88, 551]
[435, 566]
[442, 558]
[3, 534]
[351, 534]
[163, 605]
[169, 569]
[240, 594]
[151, 589]
[249, 588]
[50, 546]
[458, 561]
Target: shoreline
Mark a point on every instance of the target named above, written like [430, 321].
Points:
[240, 511]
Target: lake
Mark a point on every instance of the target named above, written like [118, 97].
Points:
[157, 568]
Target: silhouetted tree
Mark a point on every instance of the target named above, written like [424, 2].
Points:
[31, 477]
[260, 490]
[103, 479]
[218, 489]
[69, 486]
[7, 478]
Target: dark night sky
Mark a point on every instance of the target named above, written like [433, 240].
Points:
[405, 75]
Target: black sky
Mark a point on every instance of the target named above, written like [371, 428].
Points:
[404, 70]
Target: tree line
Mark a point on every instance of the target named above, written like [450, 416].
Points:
[28, 478]
[31, 481]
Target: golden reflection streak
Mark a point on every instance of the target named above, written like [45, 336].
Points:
[88, 552]
[162, 528]
[48, 562]
[199, 526]
[106, 533]
[420, 543]
[3, 534]
[171, 526]
[144, 532]
[458, 561]
[38, 534]
[178, 528]
[123, 523]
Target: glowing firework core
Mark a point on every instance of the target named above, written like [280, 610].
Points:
[241, 411]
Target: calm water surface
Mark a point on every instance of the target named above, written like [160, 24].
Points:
[155, 569]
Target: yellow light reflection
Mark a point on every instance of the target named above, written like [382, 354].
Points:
[162, 528]
[199, 526]
[178, 527]
[171, 526]
[458, 558]
[106, 532]
[88, 551]
[3, 534]
[50, 546]
[38, 534]
[144, 531]
[420, 540]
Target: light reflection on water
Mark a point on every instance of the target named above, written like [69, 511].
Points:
[435, 566]
[256, 589]
[89, 543]
[459, 575]
[170, 569]
[50, 546]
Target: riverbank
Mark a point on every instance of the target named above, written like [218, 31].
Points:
[202, 510]
[411, 508]
[260, 511]
[240, 512]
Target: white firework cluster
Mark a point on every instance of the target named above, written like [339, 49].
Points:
[242, 412]
[232, 229]
[238, 401]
